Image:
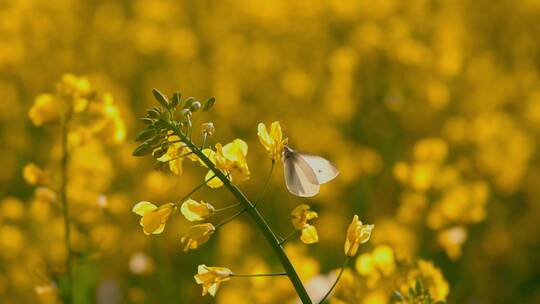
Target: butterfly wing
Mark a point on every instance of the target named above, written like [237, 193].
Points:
[323, 169]
[299, 177]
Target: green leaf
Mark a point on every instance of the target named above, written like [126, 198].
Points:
[162, 99]
[188, 102]
[418, 287]
[145, 134]
[412, 292]
[143, 150]
[147, 121]
[208, 104]
[154, 113]
[396, 296]
[175, 99]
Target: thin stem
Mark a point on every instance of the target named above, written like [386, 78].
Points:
[265, 184]
[256, 216]
[65, 208]
[237, 214]
[227, 208]
[204, 141]
[337, 279]
[196, 189]
[285, 239]
[259, 275]
[179, 157]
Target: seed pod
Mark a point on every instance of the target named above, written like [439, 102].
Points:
[209, 103]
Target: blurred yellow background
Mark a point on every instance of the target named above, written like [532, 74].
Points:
[430, 109]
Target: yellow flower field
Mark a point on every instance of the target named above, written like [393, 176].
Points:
[165, 151]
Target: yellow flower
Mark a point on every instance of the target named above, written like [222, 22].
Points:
[74, 86]
[45, 110]
[153, 218]
[211, 278]
[108, 124]
[356, 234]
[273, 142]
[176, 152]
[299, 217]
[452, 240]
[197, 235]
[438, 287]
[383, 257]
[194, 211]
[34, 175]
[230, 159]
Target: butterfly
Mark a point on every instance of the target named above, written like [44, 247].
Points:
[304, 173]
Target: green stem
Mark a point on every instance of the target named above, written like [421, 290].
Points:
[179, 157]
[237, 214]
[265, 184]
[337, 280]
[285, 239]
[196, 189]
[259, 275]
[227, 208]
[65, 209]
[256, 216]
[204, 141]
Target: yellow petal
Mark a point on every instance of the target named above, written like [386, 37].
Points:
[197, 235]
[142, 207]
[264, 137]
[211, 154]
[214, 182]
[176, 166]
[160, 229]
[46, 109]
[153, 221]
[235, 150]
[34, 175]
[275, 132]
[365, 233]
[194, 211]
[213, 289]
[309, 234]
[301, 215]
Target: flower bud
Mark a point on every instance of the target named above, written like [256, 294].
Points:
[195, 106]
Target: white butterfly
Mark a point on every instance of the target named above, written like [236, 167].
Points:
[304, 173]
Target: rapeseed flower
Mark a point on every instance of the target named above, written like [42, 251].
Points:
[153, 218]
[211, 277]
[356, 234]
[300, 217]
[273, 142]
[194, 211]
[197, 235]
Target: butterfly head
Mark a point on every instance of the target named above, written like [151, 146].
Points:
[287, 152]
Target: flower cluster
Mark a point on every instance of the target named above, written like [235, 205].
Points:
[168, 138]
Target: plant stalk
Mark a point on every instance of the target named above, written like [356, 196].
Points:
[336, 281]
[255, 215]
[259, 275]
[65, 209]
